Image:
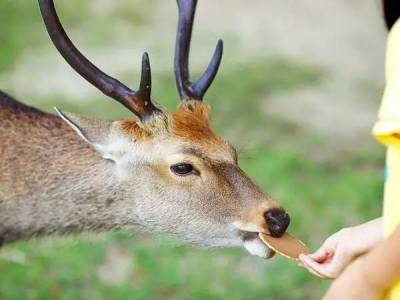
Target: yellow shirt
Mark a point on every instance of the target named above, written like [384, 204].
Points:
[387, 131]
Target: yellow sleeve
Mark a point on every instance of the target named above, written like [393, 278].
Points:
[387, 127]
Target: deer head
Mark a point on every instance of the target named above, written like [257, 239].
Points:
[180, 177]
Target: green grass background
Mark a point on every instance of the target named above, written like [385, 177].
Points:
[321, 196]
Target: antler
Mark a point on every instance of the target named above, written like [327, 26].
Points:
[187, 89]
[138, 102]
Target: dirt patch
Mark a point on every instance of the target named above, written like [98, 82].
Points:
[341, 116]
[347, 38]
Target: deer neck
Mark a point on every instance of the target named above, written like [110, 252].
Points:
[72, 204]
[51, 182]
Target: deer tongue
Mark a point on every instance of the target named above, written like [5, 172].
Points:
[286, 245]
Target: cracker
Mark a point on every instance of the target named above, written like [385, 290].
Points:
[286, 245]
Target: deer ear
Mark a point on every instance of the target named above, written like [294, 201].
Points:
[94, 132]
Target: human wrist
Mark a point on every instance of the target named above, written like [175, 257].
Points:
[365, 236]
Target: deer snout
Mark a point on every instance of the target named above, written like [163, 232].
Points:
[277, 221]
[267, 217]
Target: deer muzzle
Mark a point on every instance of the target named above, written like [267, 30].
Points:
[265, 219]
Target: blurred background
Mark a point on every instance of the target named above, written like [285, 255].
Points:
[297, 94]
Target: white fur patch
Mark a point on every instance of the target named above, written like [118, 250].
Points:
[257, 247]
[71, 124]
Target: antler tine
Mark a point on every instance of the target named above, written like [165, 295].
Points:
[138, 102]
[187, 89]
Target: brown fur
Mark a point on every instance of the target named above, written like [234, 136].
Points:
[43, 182]
[132, 129]
[192, 122]
[25, 133]
[53, 181]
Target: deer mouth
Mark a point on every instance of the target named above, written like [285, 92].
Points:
[254, 245]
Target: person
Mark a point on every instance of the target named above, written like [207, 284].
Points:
[364, 260]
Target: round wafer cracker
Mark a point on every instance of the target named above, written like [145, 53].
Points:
[286, 245]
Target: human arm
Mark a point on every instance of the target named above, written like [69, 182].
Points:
[338, 251]
[368, 277]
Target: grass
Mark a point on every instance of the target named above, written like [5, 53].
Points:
[321, 197]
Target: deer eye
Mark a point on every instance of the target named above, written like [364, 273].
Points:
[182, 169]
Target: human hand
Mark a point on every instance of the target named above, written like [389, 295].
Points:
[336, 253]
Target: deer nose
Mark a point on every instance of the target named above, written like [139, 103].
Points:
[277, 222]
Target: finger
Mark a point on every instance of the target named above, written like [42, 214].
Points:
[300, 264]
[317, 267]
[312, 270]
[304, 258]
[315, 273]
[323, 253]
[320, 256]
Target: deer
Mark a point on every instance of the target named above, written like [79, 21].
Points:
[156, 171]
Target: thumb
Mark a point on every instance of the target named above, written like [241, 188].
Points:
[324, 252]
[339, 262]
